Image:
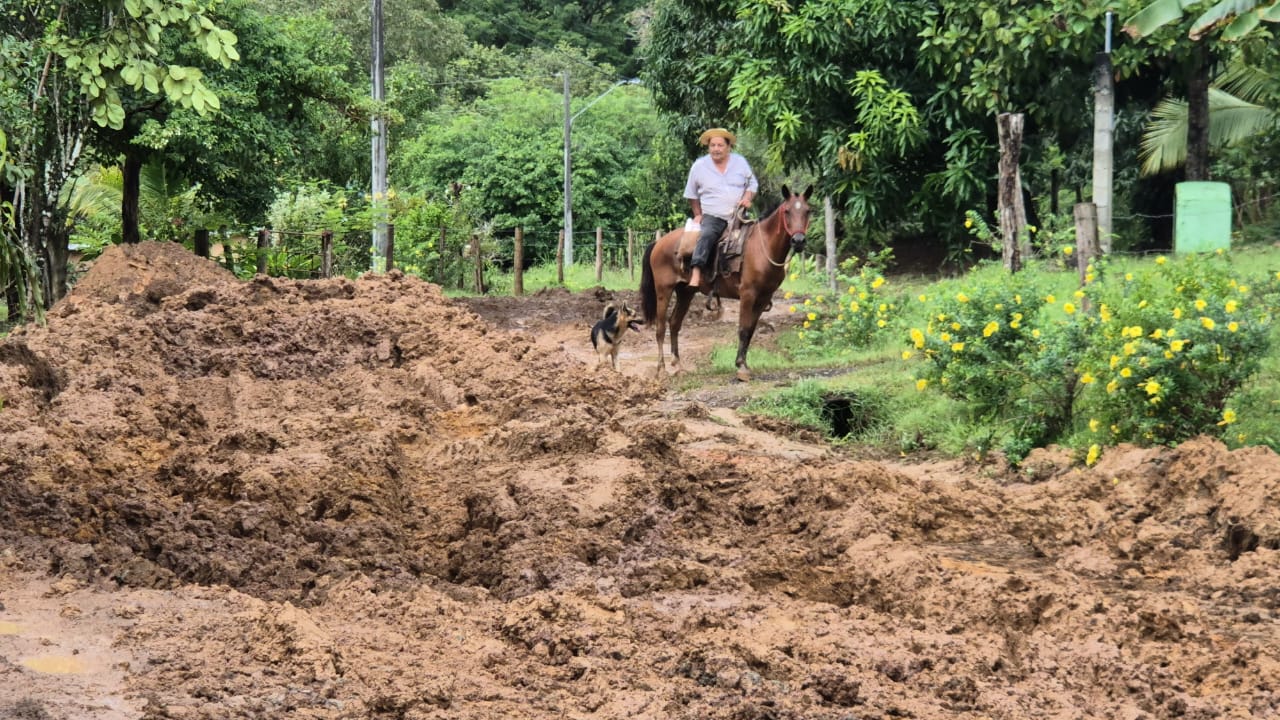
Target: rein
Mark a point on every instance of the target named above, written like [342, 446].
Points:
[765, 249]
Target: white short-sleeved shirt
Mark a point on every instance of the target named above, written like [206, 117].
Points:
[719, 192]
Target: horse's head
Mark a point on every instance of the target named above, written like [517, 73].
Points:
[795, 216]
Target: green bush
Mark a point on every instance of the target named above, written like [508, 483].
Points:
[857, 316]
[1150, 356]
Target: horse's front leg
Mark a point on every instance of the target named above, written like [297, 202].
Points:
[749, 309]
[684, 297]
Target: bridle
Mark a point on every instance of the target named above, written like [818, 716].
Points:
[786, 228]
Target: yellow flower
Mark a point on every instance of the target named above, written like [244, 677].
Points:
[1051, 299]
[917, 337]
[1177, 313]
[956, 326]
[1142, 304]
[921, 384]
[1152, 387]
[795, 276]
[957, 347]
[968, 222]
[1244, 289]
[812, 316]
[906, 354]
[807, 302]
[922, 297]
[1018, 298]
[881, 323]
[1079, 294]
[788, 295]
[806, 324]
[1232, 306]
[877, 282]
[1087, 378]
[1233, 326]
[1069, 308]
[1207, 323]
[1015, 324]
[791, 309]
[961, 297]
[1115, 360]
[1161, 260]
[990, 329]
[1092, 457]
[1228, 417]
[1035, 333]
[884, 307]
[1130, 348]
[1128, 277]
[1112, 386]
[944, 337]
[818, 299]
[1201, 304]
[1067, 250]
[1126, 372]
[1157, 333]
[1093, 425]
[862, 295]
[853, 305]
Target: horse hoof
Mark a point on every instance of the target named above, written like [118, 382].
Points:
[744, 375]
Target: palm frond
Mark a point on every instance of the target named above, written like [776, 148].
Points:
[1249, 82]
[1164, 142]
[1231, 120]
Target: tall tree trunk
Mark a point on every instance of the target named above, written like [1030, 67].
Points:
[131, 176]
[1198, 113]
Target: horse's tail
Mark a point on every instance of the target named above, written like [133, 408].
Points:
[648, 290]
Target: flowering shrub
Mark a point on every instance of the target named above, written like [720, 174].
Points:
[1168, 347]
[1149, 357]
[855, 317]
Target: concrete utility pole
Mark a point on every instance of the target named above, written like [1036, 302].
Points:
[1104, 111]
[568, 182]
[379, 190]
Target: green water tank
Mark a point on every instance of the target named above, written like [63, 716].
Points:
[1202, 217]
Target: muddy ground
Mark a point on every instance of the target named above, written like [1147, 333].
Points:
[359, 499]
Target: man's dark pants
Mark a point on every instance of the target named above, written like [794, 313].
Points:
[712, 228]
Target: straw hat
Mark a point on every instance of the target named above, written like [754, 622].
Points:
[715, 133]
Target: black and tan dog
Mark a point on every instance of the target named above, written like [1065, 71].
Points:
[606, 335]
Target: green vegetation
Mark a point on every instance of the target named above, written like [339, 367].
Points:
[1151, 350]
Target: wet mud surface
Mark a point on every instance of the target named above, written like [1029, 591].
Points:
[361, 499]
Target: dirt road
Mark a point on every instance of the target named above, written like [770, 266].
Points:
[359, 499]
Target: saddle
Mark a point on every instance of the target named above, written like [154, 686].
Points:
[728, 250]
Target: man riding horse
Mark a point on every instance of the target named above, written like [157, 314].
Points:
[719, 183]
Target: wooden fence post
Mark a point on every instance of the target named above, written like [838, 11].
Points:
[264, 242]
[517, 283]
[440, 257]
[1086, 217]
[1013, 217]
[479, 258]
[631, 253]
[560, 259]
[391, 246]
[201, 242]
[599, 254]
[326, 254]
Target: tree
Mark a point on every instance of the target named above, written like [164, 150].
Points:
[1182, 132]
[87, 56]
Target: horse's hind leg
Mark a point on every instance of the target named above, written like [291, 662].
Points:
[660, 327]
[684, 297]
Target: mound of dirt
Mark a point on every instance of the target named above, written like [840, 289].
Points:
[357, 498]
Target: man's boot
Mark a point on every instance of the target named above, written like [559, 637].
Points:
[695, 277]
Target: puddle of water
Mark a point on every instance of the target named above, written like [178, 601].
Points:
[54, 664]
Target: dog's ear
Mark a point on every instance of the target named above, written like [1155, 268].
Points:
[609, 310]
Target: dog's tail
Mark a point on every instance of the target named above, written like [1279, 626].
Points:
[648, 290]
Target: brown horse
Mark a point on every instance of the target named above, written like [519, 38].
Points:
[764, 255]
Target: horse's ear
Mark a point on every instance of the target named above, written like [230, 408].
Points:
[808, 191]
[786, 192]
